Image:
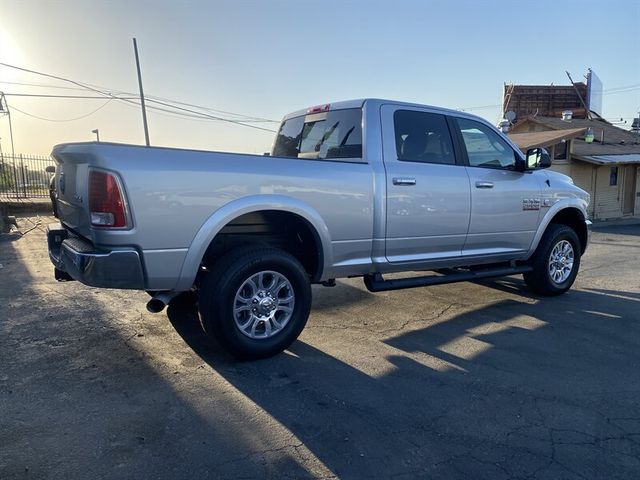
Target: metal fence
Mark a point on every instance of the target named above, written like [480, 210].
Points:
[24, 176]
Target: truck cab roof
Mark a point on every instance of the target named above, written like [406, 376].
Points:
[373, 102]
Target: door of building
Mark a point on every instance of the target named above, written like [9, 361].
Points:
[629, 192]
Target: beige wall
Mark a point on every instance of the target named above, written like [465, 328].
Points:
[608, 202]
[583, 175]
[637, 206]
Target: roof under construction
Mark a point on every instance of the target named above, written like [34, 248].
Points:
[608, 139]
[545, 100]
[544, 139]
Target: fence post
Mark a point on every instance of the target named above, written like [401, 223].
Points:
[15, 175]
[24, 178]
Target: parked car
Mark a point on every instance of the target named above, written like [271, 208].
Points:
[52, 188]
[359, 188]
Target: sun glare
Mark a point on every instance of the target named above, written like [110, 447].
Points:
[10, 52]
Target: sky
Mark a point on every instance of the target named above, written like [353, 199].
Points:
[267, 58]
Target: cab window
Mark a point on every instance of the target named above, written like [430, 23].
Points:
[484, 146]
[328, 135]
[423, 137]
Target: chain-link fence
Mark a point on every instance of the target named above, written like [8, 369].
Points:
[24, 176]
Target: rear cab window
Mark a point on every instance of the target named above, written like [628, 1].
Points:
[331, 135]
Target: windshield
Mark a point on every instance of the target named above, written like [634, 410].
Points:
[325, 135]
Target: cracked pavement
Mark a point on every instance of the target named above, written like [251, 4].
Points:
[470, 380]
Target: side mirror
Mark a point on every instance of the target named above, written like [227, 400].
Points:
[50, 169]
[538, 158]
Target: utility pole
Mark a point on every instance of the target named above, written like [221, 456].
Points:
[144, 110]
[2, 97]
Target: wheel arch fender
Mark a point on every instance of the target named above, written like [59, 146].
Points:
[559, 207]
[234, 209]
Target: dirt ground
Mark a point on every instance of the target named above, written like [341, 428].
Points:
[470, 380]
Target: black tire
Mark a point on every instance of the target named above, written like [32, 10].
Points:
[217, 297]
[539, 280]
[184, 300]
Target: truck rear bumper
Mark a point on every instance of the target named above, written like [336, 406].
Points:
[120, 268]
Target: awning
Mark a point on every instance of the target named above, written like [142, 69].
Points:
[547, 138]
[609, 159]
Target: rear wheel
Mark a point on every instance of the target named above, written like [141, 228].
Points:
[255, 301]
[555, 262]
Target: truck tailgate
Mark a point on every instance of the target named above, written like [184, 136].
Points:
[71, 183]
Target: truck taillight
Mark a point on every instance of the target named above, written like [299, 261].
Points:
[320, 108]
[105, 201]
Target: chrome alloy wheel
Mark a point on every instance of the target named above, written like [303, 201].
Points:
[263, 304]
[561, 261]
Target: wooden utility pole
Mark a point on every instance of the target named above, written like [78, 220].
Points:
[144, 110]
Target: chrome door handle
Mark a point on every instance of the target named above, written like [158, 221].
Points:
[484, 184]
[404, 181]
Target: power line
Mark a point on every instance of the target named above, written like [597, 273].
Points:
[96, 88]
[114, 97]
[13, 107]
[211, 116]
[175, 114]
[482, 107]
[169, 113]
[38, 95]
[634, 86]
[43, 85]
[251, 117]
[621, 91]
[248, 117]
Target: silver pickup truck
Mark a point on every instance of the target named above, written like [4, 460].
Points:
[361, 188]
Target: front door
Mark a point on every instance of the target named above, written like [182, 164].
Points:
[428, 195]
[629, 193]
[505, 203]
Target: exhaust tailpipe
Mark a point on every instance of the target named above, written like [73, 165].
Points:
[159, 301]
[155, 305]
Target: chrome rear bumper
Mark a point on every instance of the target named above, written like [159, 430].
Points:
[79, 259]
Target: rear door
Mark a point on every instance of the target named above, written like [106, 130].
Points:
[428, 193]
[505, 203]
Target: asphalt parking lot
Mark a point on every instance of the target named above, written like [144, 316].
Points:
[471, 380]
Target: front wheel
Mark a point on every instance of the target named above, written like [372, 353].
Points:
[255, 301]
[556, 261]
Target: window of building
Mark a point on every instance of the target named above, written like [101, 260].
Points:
[613, 176]
[560, 151]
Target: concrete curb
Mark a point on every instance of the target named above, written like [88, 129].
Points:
[23, 207]
[616, 222]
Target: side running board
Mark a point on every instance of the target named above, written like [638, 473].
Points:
[376, 283]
